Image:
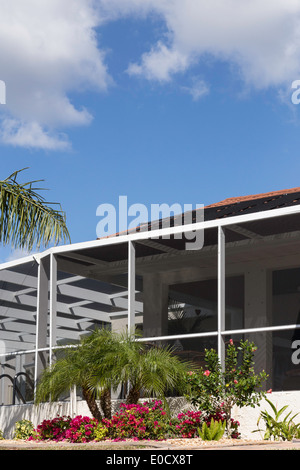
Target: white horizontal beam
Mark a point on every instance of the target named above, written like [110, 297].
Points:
[136, 236]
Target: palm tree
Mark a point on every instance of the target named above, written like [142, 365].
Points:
[77, 367]
[26, 219]
[148, 370]
[104, 361]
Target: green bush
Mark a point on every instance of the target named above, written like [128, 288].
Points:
[100, 432]
[216, 390]
[24, 429]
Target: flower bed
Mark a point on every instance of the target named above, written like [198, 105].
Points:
[146, 421]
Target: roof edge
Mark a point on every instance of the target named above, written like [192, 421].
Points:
[271, 194]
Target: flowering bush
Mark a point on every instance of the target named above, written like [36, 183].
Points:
[54, 429]
[142, 421]
[214, 390]
[187, 423]
[78, 429]
[81, 429]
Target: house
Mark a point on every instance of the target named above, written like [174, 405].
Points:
[243, 282]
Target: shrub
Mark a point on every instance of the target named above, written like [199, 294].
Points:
[82, 429]
[215, 390]
[24, 429]
[54, 429]
[187, 423]
[100, 432]
[142, 421]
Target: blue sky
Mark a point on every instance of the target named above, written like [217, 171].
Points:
[163, 102]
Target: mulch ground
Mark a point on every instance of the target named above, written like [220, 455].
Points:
[173, 445]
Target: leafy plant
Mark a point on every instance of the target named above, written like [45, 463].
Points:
[277, 429]
[26, 218]
[216, 390]
[212, 431]
[23, 429]
[100, 432]
[1, 435]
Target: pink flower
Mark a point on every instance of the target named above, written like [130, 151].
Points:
[207, 373]
[269, 391]
[230, 341]
[235, 381]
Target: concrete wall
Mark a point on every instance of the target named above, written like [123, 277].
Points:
[247, 417]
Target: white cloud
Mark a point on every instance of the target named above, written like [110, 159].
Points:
[160, 63]
[48, 49]
[260, 37]
[198, 89]
[31, 135]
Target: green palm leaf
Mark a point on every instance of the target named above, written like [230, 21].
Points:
[26, 219]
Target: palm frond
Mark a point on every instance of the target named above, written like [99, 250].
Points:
[26, 219]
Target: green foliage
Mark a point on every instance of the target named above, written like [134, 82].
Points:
[1, 435]
[276, 429]
[100, 432]
[212, 431]
[26, 219]
[24, 429]
[215, 390]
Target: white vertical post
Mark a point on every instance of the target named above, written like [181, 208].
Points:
[131, 287]
[53, 299]
[73, 401]
[41, 317]
[221, 293]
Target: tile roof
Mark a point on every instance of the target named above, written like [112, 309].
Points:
[252, 203]
[235, 200]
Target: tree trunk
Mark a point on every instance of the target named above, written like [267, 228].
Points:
[133, 396]
[91, 402]
[105, 400]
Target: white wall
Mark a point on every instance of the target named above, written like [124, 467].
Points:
[247, 417]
